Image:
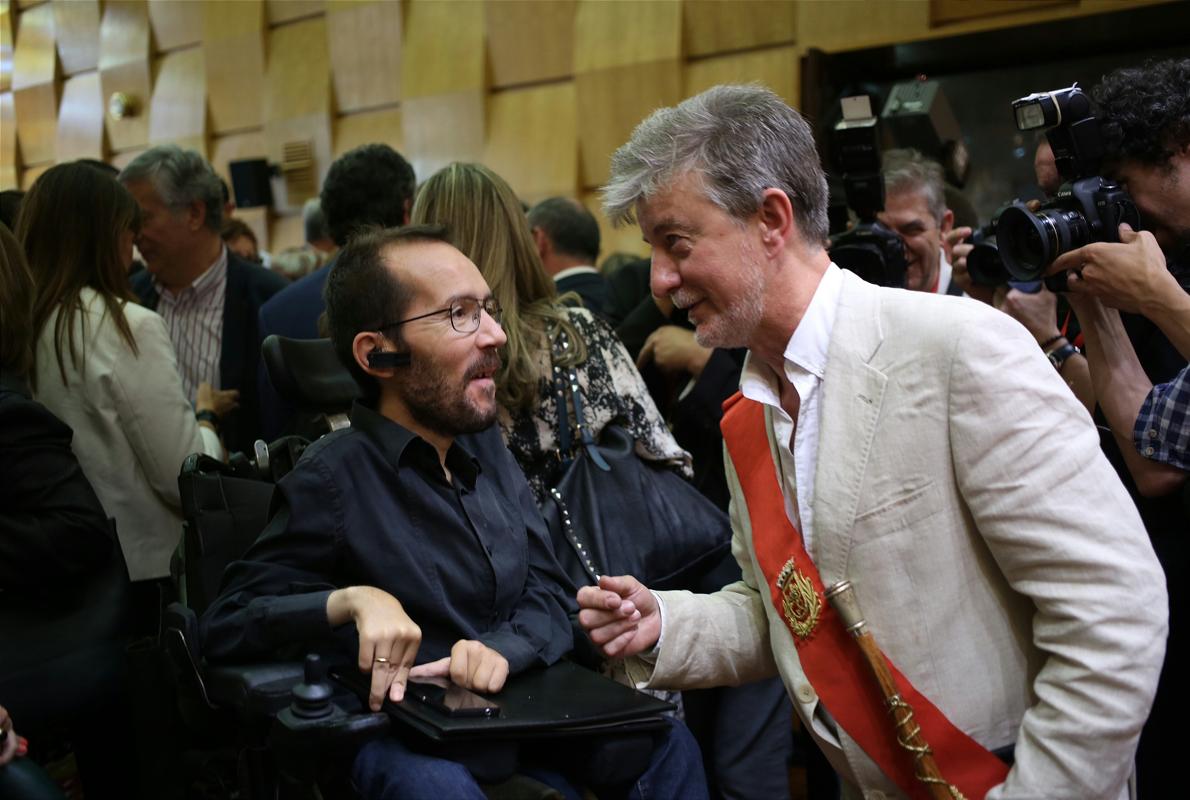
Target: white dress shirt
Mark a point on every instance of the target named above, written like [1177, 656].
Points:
[194, 317]
[805, 366]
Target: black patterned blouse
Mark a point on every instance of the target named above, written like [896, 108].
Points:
[612, 390]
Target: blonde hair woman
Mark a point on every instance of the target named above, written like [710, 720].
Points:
[485, 220]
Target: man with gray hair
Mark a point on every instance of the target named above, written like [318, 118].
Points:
[915, 208]
[208, 296]
[919, 447]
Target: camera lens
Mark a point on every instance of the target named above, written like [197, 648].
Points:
[984, 265]
[1030, 242]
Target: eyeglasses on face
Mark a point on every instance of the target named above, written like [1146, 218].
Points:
[464, 314]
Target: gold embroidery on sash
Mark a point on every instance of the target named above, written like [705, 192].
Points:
[800, 603]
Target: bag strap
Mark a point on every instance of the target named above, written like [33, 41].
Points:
[566, 385]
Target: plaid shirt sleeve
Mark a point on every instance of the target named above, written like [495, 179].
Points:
[1162, 429]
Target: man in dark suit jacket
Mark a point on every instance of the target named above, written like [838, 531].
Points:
[370, 185]
[567, 238]
[208, 297]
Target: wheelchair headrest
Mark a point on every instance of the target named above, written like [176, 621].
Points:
[308, 374]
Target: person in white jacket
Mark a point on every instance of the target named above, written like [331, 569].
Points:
[105, 366]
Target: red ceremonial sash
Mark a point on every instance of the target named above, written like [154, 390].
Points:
[830, 658]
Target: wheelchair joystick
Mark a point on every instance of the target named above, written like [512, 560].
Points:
[312, 697]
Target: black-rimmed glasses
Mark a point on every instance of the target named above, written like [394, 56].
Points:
[464, 314]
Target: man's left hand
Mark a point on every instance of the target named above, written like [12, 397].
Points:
[471, 664]
[1128, 275]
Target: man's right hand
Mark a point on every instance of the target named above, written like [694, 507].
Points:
[388, 638]
[620, 615]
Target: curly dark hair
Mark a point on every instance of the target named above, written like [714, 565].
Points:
[370, 185]
[1145, 111]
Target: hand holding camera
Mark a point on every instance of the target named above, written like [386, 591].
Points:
[1129, 275]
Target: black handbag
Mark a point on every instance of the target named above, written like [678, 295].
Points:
[614, 513]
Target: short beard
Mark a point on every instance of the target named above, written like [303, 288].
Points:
[735, 325]
[445, 409]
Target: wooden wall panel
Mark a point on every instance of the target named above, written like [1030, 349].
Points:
[297, 82]
[866, 23]
[6, 29]
[35, 59]
[178, 111]
[383, 126]
[287, 10]
[624, 239]
[9, 171]
[442, 129]
[530, 41]
[234, 42]
[613, 102]
[714, 26]
[175, 24]
[121, 160]
[312, 129]
[285, 232]
[365, 53]
[619, 34]
[29, 175]
[947, 11]
[35, 85]
[433, 62]
[258, 220]
[76, 24]
[777, 68]
[124, 43]
[80, 119]
[225, 149]
[533, 140]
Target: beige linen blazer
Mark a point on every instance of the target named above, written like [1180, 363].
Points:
[133, 425]
[999, 561]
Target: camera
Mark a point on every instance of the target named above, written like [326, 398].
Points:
[869, 249]
[984, 264]
[1088, 208]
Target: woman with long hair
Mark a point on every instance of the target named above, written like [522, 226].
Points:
[105, 366]
[486, 222]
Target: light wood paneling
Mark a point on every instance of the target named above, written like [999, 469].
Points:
[297, 82]
[9, 172]
[178, 109]
[233, 40]
[435, 62]
[625, 239]
[863, 23]
[365, 53]
[258, 220]
[80, 119]
[776, 68]
[715, 26]
[533, 140]
[124, 42]
[619, 34]
[6, 19]
[35, 60]
[285, 10]
[613, 102]
[29, 175]
[442, 129]
[947, 11]
[383, 126]
[312, 128]
[285, 232]
[76, 26]
[35, 85]
[121, 160]
[530, 41]
[175, 24]
[238, 146]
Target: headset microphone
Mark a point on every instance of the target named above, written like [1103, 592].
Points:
[383, 360]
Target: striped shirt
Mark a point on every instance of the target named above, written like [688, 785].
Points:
[194, 317]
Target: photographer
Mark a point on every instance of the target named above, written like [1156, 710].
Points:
[1145, 116]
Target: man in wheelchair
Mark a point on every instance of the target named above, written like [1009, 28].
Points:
[414, 525]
